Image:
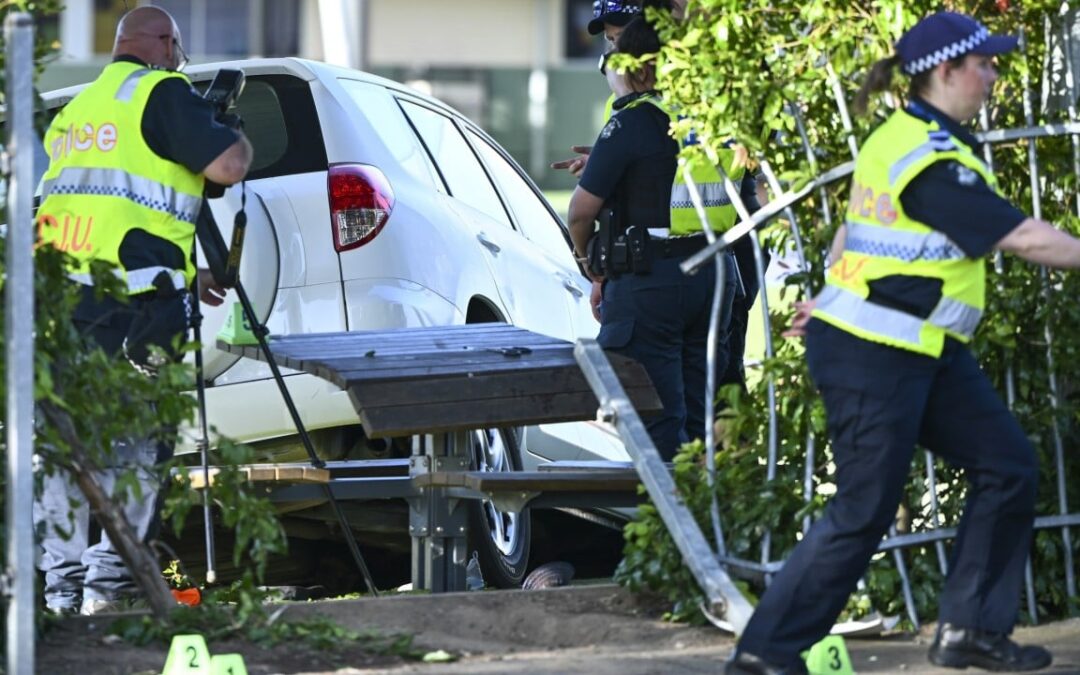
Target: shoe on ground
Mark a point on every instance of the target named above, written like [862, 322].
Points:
[62, 610]
[962, 647]
[744, 663]
[91, 606]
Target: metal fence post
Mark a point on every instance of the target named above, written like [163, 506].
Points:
[1052, 385]
[19, 336]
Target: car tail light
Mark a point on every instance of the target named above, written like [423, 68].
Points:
[360, 204]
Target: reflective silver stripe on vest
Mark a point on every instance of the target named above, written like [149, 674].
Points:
[951, 315]
[955, 316]
[900, 244]
[864, 315]
[934, 145]
[712, 194]
[130, 83]
[139, 280]
[118, 183]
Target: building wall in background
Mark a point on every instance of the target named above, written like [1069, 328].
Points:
[478, 33]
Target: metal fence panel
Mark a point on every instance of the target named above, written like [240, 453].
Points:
[19, 337]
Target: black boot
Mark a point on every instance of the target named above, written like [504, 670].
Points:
[962, 647]
[743, 663]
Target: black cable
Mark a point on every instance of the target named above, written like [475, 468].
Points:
[211, 239]
[260, 333]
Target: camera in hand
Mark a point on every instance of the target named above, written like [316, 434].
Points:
[223, 91]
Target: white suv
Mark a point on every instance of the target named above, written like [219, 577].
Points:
[371, 206]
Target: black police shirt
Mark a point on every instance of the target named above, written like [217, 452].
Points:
[633, 136]
[640, 134]
[179, 126]
[954, 200]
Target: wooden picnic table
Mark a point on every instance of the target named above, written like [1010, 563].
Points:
[439, 383]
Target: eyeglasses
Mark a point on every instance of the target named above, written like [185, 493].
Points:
[179, 55]
[183, 59]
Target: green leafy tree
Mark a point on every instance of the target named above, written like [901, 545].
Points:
[758, 70]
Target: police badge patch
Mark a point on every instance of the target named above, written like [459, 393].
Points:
[610, 128]
[964, 175]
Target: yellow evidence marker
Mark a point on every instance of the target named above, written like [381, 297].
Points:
[236, 330]
[188, 655]
[829, 657]
[227, 664]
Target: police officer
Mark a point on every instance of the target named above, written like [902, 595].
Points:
[609, 18]
[129, 157]
[651, 311]
[886, 346]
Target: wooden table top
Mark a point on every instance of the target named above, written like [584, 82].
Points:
[447, 378]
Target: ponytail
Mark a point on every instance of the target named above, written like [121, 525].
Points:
[879, 79]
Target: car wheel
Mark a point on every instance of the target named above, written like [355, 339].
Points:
[501, 538]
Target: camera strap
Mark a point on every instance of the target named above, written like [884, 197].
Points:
[236, 248]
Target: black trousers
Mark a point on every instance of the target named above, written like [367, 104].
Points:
[880, 402]
[661, 320]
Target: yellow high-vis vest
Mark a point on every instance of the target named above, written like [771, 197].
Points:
[719, 210]
[883, 241]
[104, 180]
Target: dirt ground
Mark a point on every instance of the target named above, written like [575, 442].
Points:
[583, 629]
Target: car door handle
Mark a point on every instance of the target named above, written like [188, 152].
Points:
[487, 243]
[573, 288]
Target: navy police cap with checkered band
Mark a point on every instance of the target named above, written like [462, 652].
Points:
[944, 36]
[615, 12]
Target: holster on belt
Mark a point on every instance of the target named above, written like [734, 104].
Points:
[613, 254]
[161, 316]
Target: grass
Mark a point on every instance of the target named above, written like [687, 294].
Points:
[560, 201]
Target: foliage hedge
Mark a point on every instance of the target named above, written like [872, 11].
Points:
[736, 69]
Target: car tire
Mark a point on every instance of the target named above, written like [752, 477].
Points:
[501, 539]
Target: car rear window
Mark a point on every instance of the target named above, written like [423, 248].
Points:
[281, 122]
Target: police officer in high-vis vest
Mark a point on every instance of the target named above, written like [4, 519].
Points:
[886, 344]
[128, 160]
[650, 310]
[609, 18]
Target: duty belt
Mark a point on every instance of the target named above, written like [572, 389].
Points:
[676, 247]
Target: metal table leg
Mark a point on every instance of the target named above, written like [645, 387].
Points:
[438, 523]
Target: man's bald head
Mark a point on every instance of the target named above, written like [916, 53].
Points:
[151, 34]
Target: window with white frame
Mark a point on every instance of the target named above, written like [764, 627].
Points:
[211, 28]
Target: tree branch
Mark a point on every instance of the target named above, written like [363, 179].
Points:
[136, 555]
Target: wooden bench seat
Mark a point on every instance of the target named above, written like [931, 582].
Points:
[516, 490]
[533, 481]
[587, 465]
[262, 473]
[304, 472]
